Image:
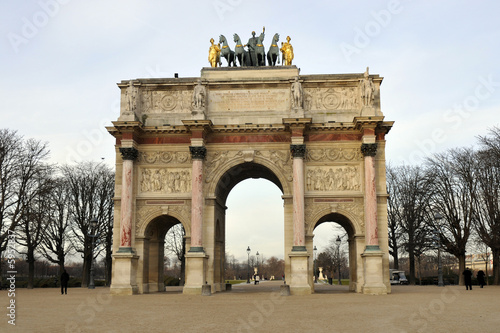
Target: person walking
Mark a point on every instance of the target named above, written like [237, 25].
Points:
[467, 278]
[64, 282]
[480, 278]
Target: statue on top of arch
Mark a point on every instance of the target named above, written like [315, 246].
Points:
[255, 54]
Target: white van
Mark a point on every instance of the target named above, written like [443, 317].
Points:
[398, 277]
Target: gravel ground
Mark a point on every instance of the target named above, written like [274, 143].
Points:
[250, 308]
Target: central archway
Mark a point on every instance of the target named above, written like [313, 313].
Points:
[227, 180]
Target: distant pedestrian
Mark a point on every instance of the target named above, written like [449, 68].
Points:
[64, 282]
[480, 278]
[468, 279]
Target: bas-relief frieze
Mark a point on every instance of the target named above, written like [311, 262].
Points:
[166, 101]
[334, 154]
[346, 98]
[280, 158]
[166, 180]
[325, 206]
[337, 178]
[163, 157]
[145, 213]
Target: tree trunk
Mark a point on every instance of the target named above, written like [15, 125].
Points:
[412, 267]
[496, 267]
[31, 268]
[395, 255]
[461, 269]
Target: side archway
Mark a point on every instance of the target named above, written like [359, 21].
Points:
[355, 242]
[150, 245]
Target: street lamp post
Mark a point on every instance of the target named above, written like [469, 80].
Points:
[92, 234]
[248, 264]
[257, 254]
[315, 250]
[338, 241]
[438, 218]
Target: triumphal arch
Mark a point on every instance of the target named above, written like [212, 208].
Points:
[182, 144]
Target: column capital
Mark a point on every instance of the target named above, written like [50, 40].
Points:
[369, 149]
[298, 150]
[198, 152]
[129, 153]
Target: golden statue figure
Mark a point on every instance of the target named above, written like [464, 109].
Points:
[214, 54]
[287, 50]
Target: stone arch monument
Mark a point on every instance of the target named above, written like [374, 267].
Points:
[182, 144]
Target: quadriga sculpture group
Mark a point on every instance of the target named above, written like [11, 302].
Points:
[253, 55]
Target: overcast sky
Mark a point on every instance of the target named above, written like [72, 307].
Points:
[61, 60]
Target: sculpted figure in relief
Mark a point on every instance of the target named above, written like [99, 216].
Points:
[199, 96]
[297, 93]
[367, 89]
[131, 97]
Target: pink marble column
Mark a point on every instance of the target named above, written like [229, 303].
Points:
[298, 153]
[128, 156]
[198, 155]
[369, 151]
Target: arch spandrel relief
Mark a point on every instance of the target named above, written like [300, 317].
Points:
[218, 160]
[146, 213]
[352, 208]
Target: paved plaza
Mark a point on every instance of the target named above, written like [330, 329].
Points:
[251, 308]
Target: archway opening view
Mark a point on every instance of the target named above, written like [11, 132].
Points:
[254, 247]
[332, 256]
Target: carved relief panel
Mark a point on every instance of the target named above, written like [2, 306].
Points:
[335, 178]
[165, 180]
[166, 101]
[345, 98]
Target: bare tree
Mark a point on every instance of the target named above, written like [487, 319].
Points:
[91, 190]
[175, 244]
[487, 200]
[394, 215]
[56, 244]
[410, 192]
[35, 216]
[453, 183]
[20, 162]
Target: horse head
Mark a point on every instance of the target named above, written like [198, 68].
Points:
[222, 39]
[236, 38]
[276, 38]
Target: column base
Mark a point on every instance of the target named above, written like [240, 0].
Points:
[196, 263]
[124, 274]
[373, 272]
[299, 273]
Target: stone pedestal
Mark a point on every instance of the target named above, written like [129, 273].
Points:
[373, 272]
[299, 268]
[284, 290]
[196, 263]
[124, 274]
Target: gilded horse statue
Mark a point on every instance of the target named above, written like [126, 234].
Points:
[274, 51]
[226, 52]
